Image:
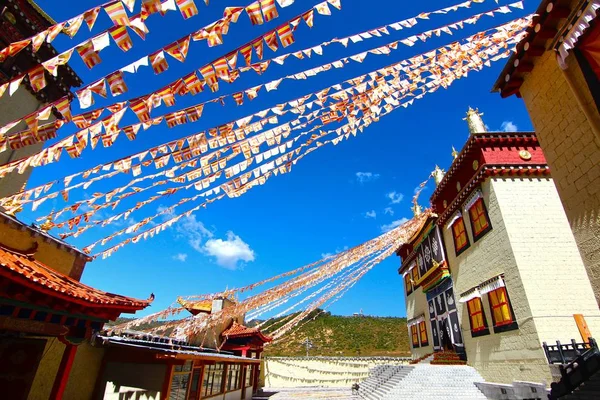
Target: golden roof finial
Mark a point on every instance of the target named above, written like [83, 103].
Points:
[46, 226]
[12, 207]
[438, 175]
[474, 121]
[416, 209]
[454, 153]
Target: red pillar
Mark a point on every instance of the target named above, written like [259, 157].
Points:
[62, 376]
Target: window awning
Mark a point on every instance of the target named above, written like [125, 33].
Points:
[415, 320]
[570, 39]
[483, 288]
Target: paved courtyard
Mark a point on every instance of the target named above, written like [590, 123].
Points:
[306, 393]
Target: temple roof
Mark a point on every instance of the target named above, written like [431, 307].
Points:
[23, 269]
[238, 331]
[545, 26]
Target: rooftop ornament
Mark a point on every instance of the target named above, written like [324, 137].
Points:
[474, 121]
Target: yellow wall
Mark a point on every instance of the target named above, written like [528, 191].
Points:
[85, 370]
[47, 369]
[12, 107]
[571, 148]
[278, 372]
[59, 259]
[416, 305]
[508, 356]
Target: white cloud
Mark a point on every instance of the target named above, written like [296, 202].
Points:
[189, 228]
[393, 224]
[509, 126]
[363, 177]
[337, 251]
[229, 252]
[371, 214]
[394, 197]
[388, 211]
[180, 257]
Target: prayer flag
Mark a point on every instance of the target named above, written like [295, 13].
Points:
[37, 78]
[179, 49]
[253, 11]
[116, 12]
[116, 83]
[159, 62]
[121, 37]
[88, 55]
[188, 8]
[90, 17]
[285, 35]
[150, 6]
[269, 9]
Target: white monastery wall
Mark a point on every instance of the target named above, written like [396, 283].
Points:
[498, 357]
[416, 305]
[550, 265]
[280, 372]
[18, 105]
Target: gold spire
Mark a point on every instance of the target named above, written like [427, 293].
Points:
[416, 209]
[438, 175]
[474, 121]
[46, 226]
[454, 153]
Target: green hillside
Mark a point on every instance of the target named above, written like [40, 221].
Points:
[334, 335]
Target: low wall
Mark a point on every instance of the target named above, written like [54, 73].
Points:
[281, 372]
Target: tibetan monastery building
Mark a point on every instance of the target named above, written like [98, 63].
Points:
[223, 364]
[496, 272]
[21, 19]
[556, 71]
[48, 317]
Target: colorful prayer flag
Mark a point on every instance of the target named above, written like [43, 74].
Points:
[269, 9]
[121, 37]
[37, 78]
[159, 62]
[285, 35]
[116, 12]
[188, 8]
[116, 83]
[90, 57]
[253, 11]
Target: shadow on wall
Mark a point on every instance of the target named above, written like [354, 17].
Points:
[586, 229]
[129, 393]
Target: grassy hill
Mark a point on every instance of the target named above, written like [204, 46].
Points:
[334, 335]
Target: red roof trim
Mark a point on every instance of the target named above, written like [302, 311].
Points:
[486, 172]
[238, 330]
[24, 270]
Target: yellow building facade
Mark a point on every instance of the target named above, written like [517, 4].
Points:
[558, 79]
[516, 274]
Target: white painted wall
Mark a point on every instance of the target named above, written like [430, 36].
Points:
[280, 372]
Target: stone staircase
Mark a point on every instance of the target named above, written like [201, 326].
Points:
[382, 379]
[422, 382]
[447, 358]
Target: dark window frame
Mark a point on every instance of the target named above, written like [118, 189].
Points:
[458, 252]
[507, 326]
[414, 333]
[480, 331]
[426, 342]
[481, 234]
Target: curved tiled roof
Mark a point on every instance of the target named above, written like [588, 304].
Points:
[238, 330]
[25, 270]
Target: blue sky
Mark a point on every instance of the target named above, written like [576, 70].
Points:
[334, 198]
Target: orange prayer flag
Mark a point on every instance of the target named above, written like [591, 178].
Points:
[253, 11]
[37, 78]
[159, 62]
[116, 12]
[90, 17]
[269, 9]
[116, 83]
[121, 37]
[90, 57]
[285, 35]
[271, 40]
[188, 8]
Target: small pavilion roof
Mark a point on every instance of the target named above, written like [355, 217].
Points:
[23, 269]
[239, 331]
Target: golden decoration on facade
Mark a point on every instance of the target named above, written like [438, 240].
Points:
[525, 155]
[475, 165]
